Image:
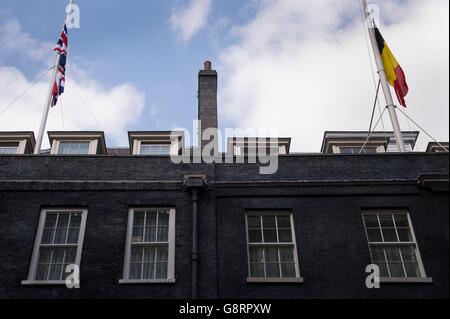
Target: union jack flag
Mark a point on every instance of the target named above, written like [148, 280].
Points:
[61, 48]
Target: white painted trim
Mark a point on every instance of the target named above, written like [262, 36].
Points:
[93, 144]
[43, 283]
[171, 248]
[423, 275]
[20, 148]
[38, 239]
[290, 244]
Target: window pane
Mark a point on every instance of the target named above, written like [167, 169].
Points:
[161, 270]
[63, 220]
[285, 235]
[409, 254]
[393, 254]
[135, 271]
[151, 219]
[273, 270]
[254, 236]
[288, 270]
[50, 220]
[163, 234]
[401, 220]
[8, 150]
[136, 254]
[73, 148]
[269, 222]
[45, 255]
[58, 256]
[371, 221]
[75, 220]
[389, 235]
[47, 236]
[386, 220]
[257, 270]
[377, 254]
[138, 235]
[149, 254]
[162, 254]
[396, 269]
[149, 271]
[412, 269]
[270, 235]
[163, 219]
[286, 254]
[70, 255]
[284, 222]
[271, 254]
[41, 273]
[60, 237]
[374, 235]
[405, 234]
[138, 219]
[256, 254]
[150, 234]
[383, 269]
[254, 222]
[55, 272]
[72, 237]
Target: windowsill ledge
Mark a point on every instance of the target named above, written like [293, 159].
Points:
[406, 280]
[275, 280]
[146, 282]
[43, 283]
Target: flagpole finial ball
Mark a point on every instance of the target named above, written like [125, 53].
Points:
[207, 66]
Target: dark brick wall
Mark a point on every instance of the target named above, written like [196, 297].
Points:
[325, 194]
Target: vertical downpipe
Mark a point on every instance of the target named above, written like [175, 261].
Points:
[194, 243]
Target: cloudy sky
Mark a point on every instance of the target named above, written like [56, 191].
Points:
[300, 67]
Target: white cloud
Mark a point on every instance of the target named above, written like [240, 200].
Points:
[15, 41]
[303, 67]
[110, 109]
[187, 21]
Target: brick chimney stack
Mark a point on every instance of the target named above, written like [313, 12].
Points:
[207, 100]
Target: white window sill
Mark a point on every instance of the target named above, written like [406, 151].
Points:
[406, 280]
[145, 281]
[275, 280]
[43, 283]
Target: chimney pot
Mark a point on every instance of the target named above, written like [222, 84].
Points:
[208, 65]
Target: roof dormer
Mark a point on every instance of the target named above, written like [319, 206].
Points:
[250, 146]
[17, 143]
[164, 143]
[77, 143]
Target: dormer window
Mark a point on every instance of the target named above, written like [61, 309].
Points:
[77, 143]
[148, 148]
[16, 143]
[353, 143]
[156, 143]
[253, 146]
[9, 148]
[74, 148]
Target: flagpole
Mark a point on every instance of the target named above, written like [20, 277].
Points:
[48, 102]
[384, 82]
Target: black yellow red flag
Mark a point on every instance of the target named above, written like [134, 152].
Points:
[394, 71]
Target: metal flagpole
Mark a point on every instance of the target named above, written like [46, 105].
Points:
[47, 106]
[384, 82]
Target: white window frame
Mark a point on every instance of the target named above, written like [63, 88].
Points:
[93, 144]
[337, 148]
[21, 145]
[171, 250]
[297, 278]
[423, 276]
[174, 147]
[37, 245]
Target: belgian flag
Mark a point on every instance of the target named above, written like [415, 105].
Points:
[394, 72]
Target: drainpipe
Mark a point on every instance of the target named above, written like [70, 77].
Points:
[193, 184]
